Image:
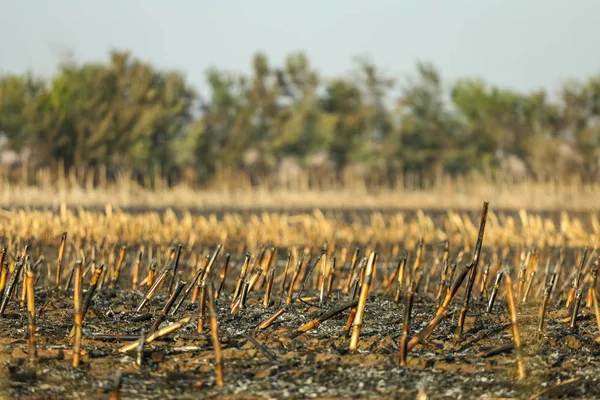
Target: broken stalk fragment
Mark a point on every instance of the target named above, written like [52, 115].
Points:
[353, 265]
[448, 282]
[136, 270]
[214, 335]
[241, 301]
[483, 292]
[69, 279]
[190, 286]
[443, 278]
[465, 307]
[454, 289]
[592, 288]
[322, 279]
[533, 266]
[167, 307]
[29, 278]
[577, 279]
[161, 278]
[390, 283]
[241, 279]
[118, 266]
[473, 272]
[401, 274]
[253, 279]
[112, 337]
[258, 260]
[78, 277]
[494, 291]
[3, 278]
[521, 277]
[203, 285]
[512, 310]
[59, 260]
[175, 267]
[330, 278]
[364, 293]
[352, 315]
[3, 270]
[268, 264]
[201, 308]
[151, 273]
[269, 321]
[529, 284]
[310, 271]
[417, 263]
[558, 269]
[3, 273]
[322, 318]
[544, 307]
[285, 274]
[288, 300]
[158, 334]
[11, 286]
[201, 277]
[27, 259]
[267, 298]
[406, 327]
[89, 295]
[441, 313]
[576, 305]
[497, 350]
[361, 270]
[222, 276]
[427, 330]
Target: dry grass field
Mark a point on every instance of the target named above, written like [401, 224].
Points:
[122, 292]
[234, 191]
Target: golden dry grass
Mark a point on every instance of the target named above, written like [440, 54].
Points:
[233, 191]
[530, 196]
[304, 229]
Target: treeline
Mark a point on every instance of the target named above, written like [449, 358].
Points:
[125, 113]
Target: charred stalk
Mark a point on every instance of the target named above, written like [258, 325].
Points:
[322, 318]
[364, 293]
[78, 316]
[406, 327]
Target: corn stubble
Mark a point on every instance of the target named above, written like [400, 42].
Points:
[287, 281]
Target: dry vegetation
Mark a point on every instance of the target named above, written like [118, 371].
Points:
[322, 304]
[234, 191]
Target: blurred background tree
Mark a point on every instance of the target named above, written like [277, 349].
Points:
[126, 114]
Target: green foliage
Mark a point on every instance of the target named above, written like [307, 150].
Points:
[16, 96]
[121, 114]
[124, 113]
[429, 131]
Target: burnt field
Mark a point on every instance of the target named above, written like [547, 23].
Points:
[363, 304]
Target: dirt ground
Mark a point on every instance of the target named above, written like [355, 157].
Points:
[314, 365]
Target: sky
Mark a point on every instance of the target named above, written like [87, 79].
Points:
[523, 45]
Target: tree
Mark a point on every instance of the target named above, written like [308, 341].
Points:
[124, 114]
[16, 93]
[429, 131]
[343, 101]
[296, 130]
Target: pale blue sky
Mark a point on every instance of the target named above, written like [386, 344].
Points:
[523, 44]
